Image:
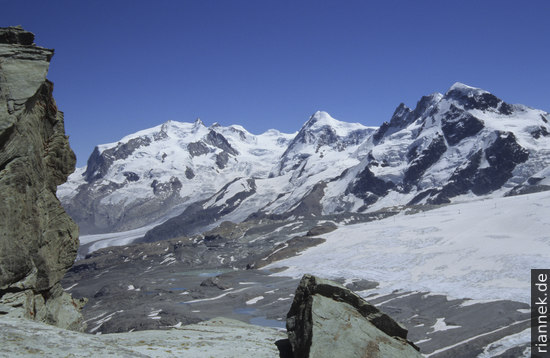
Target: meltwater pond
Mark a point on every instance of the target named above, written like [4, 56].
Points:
[260, 320]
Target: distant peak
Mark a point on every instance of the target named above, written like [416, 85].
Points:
[319, 119]
[164, 127]
[322, 116]
[401, 110]
[198, 122]
[461, 87]
[476, 98]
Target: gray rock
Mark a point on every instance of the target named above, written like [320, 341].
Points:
[100, 162]
[222, 159]
[214, 338]
[189, 173]
[16, 35]
[38, 240]
[328, 320]
[215, 282]
[218, 140]
[197, 148]
[322, 229]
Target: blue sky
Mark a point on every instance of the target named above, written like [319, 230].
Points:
[122, 66]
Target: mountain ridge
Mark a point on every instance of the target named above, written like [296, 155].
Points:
[464, 143]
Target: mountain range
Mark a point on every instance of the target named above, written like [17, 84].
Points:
[245, 216]
[223, 222]
[180, 179]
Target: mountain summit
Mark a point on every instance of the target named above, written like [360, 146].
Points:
[155, 173]
[466, 142]
[462, 144]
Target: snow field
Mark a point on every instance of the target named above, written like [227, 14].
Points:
[481, 250]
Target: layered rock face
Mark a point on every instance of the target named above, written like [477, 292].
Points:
[38, 240]
[328, 320]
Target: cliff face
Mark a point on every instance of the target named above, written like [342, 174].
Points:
[38, 240]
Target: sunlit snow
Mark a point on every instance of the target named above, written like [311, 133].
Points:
[481, 250]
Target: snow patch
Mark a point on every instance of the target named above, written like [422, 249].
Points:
[441, 325]
[254, 300]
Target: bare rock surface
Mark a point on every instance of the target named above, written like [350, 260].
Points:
[214, 338]
[38, 240]
[328, 320]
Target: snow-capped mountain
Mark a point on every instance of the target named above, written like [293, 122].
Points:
[157, 172]
[361, 182]
[321, 150]
[321, 135]
[466, 142]
[451, 146]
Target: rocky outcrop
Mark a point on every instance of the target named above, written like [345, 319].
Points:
[328, 320]
[99, 163]
[38, 240]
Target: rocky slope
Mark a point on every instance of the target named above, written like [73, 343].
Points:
[214, 338]
[355, 328]
[457, 276]
[38, 240]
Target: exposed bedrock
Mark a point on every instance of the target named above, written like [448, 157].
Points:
[38, 240]
[328, 320]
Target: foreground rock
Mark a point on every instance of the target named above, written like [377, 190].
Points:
[38, 240]
[214, 338]
[328, 320]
